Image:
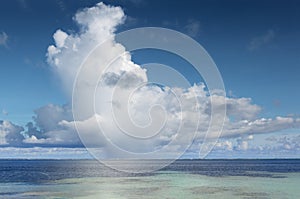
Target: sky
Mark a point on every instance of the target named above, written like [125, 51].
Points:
[255, 45]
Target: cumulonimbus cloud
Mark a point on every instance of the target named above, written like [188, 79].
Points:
[55, 126]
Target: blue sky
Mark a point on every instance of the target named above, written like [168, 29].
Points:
[255, 45]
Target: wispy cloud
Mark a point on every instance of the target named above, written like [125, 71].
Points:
[3, 39]
[192, 28]
[259, 41]
[135, 2]
[61, 4]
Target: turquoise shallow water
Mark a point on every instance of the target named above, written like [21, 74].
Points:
[252, 180]
[163, 185]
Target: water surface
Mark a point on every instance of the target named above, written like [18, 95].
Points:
[188, 179]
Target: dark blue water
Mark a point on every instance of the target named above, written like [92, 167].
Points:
[36, 171]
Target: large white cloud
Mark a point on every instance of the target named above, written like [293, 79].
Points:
[152, 108]
[98, 24]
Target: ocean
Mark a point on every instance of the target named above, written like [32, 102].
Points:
[183, 179]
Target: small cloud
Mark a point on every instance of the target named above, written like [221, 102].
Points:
[61, 5]
[35, 63]
[4, 112]
[131, 21]
[3, 39]
[250, 137]
[192, 28]
[262, 40]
